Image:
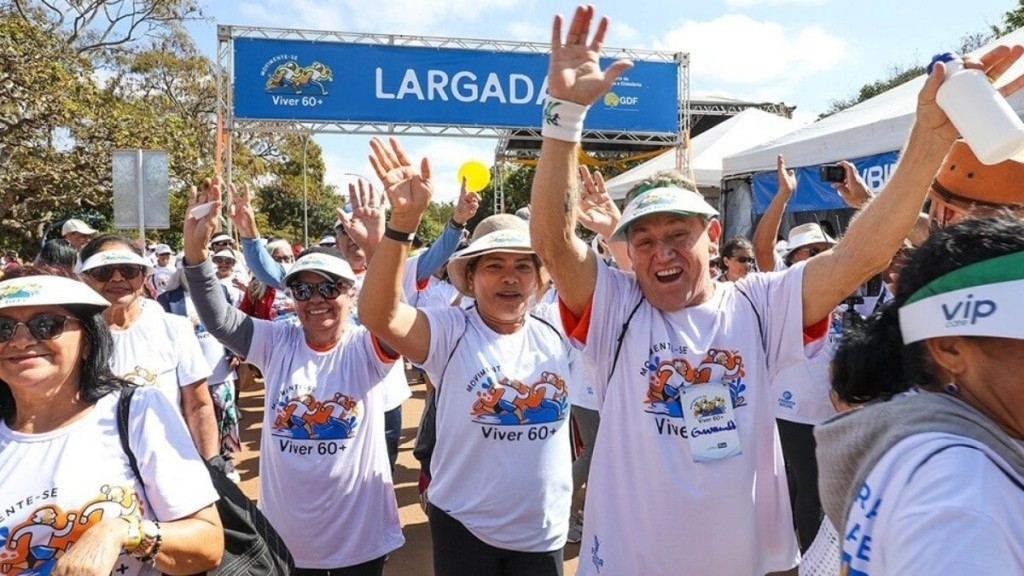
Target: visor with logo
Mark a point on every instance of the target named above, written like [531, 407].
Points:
[982, 299]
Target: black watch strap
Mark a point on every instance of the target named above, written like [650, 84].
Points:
[398, 236]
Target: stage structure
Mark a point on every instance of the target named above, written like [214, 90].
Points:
[313, 82]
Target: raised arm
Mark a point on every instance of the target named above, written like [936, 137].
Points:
[448, 242]
[381, 309]
[598, 213]
[768, 226]
[575, 81]
[243, 216]
[878, 231]
[365, 226]
[229, 325]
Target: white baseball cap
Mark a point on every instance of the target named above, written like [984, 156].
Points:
[76, 225]
[162, 249]
[327, 241]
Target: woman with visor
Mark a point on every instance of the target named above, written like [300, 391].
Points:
[151, 347]
[325, 481]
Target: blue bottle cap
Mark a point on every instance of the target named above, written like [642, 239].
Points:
[944, 57]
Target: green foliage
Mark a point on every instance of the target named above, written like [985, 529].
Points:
[1012, 20]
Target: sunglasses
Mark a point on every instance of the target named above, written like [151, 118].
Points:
[223, 260]
[41, 326]
[303, 291]
[283, 259]
[742, 259]
[105, 273]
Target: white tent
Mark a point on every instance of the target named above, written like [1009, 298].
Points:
[875, 126]
[746, 129]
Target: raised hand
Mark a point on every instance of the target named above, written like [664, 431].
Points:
[365, 226]
[408, 191]
[596, 210]
[994, 63]
[242, 214]
[469, 203]
[574, 72]
[201, 221]
[853, 190]
[787, 178]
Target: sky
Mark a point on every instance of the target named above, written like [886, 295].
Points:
[806, 53]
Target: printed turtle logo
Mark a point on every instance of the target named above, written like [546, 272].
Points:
[292, 75]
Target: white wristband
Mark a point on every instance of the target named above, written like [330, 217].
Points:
[563, 120]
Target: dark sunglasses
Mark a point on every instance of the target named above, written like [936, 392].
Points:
[105, 273]
[814, 251]
[303, 291]
[283, 259]
[41, 326]
[742, 259]
[223, 260]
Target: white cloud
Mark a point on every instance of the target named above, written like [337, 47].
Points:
[739, 50]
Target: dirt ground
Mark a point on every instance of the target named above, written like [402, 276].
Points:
[413, 559]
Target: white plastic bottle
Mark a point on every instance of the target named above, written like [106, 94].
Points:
[985, 120]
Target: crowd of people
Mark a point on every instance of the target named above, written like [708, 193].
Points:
[829, 403]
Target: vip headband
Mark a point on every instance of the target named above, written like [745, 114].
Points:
[982, 299]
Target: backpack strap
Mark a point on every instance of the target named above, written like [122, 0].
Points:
[622, 336]
[124, 404]
[760, 325]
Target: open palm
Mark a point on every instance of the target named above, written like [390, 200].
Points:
[409, 192]
[596, 210]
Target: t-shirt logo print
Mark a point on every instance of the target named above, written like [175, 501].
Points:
[666, 379]
[511, 402]
[33, 547]
[306, 418]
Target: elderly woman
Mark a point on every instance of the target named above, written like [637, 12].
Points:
[71, 503]
[151, 347]
[502, 476]
[927, 479]
[325, 481]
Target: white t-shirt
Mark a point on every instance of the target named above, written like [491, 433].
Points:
[936, 504]
[650, 508]
[396, 386]
[159, 349]
[501, 465]
[325, 480]
[58, 484]
[162, 275]
[802, 390]
[216, 354]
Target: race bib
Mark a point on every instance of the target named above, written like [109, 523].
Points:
[710, 421]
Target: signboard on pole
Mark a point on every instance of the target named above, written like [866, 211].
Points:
[302, 80]
[140, 189]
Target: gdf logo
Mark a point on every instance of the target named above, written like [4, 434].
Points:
[612, 100]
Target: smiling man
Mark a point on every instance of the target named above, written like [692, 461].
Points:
[686, 475]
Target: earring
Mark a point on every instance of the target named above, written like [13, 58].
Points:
[951, 388]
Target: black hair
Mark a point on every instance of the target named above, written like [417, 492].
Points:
[730, 247]
[58, 253]
[872, 362]
[94, 245]
[96, 379]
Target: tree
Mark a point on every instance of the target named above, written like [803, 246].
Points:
[1012, 20]
[899, 74]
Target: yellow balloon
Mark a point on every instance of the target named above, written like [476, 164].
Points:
[476, 174]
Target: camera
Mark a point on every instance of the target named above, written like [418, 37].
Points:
[831, 173]
[873, 288]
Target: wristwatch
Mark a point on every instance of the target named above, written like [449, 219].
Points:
[150, 544]
[134, 538]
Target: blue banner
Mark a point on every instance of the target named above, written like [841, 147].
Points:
[340, 82]
[813, 194]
